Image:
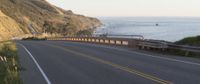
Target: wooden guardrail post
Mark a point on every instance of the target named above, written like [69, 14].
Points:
[121, 42]
[133, 43]
[103, 41]
[109, 41]
[115, 42]
[187, 53]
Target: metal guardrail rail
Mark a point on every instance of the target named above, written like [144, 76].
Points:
[185, 48]
[131, 42]
[122, 36]
[155, 44]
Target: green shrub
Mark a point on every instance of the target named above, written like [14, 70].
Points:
[191, 41]
[84, 33]
[194, 41]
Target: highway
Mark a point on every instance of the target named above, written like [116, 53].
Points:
[62, 62]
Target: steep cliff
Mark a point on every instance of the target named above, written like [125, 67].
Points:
[38, 16]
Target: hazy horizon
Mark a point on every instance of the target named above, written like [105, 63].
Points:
[131, 8]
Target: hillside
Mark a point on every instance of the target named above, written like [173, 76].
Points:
[30, 16]
[8, 27]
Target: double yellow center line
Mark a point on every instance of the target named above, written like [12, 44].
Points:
[130, 70]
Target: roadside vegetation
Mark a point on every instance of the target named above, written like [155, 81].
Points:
[189, 41]
[34, 38]
[66, 29]
[9, 66]
[63, 28]
[84, 33]
[193, 41]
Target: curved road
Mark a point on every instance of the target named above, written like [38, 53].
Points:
[61, 62]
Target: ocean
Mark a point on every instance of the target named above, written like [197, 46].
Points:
[159, 28]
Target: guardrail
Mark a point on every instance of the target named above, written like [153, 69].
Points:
[121, 36]
[131, 42]
[153, 44]
[185, 48]
[101, 40]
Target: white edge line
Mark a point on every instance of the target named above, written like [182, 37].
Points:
[165, 58]
[40, 69]
[187, 62]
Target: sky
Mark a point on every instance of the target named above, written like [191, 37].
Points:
[128, 8]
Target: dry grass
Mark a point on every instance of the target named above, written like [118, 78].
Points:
[8, 27]
[9, 71]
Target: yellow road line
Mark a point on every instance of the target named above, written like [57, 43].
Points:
[132, 71]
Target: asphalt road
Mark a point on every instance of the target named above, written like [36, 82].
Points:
[61, 62]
